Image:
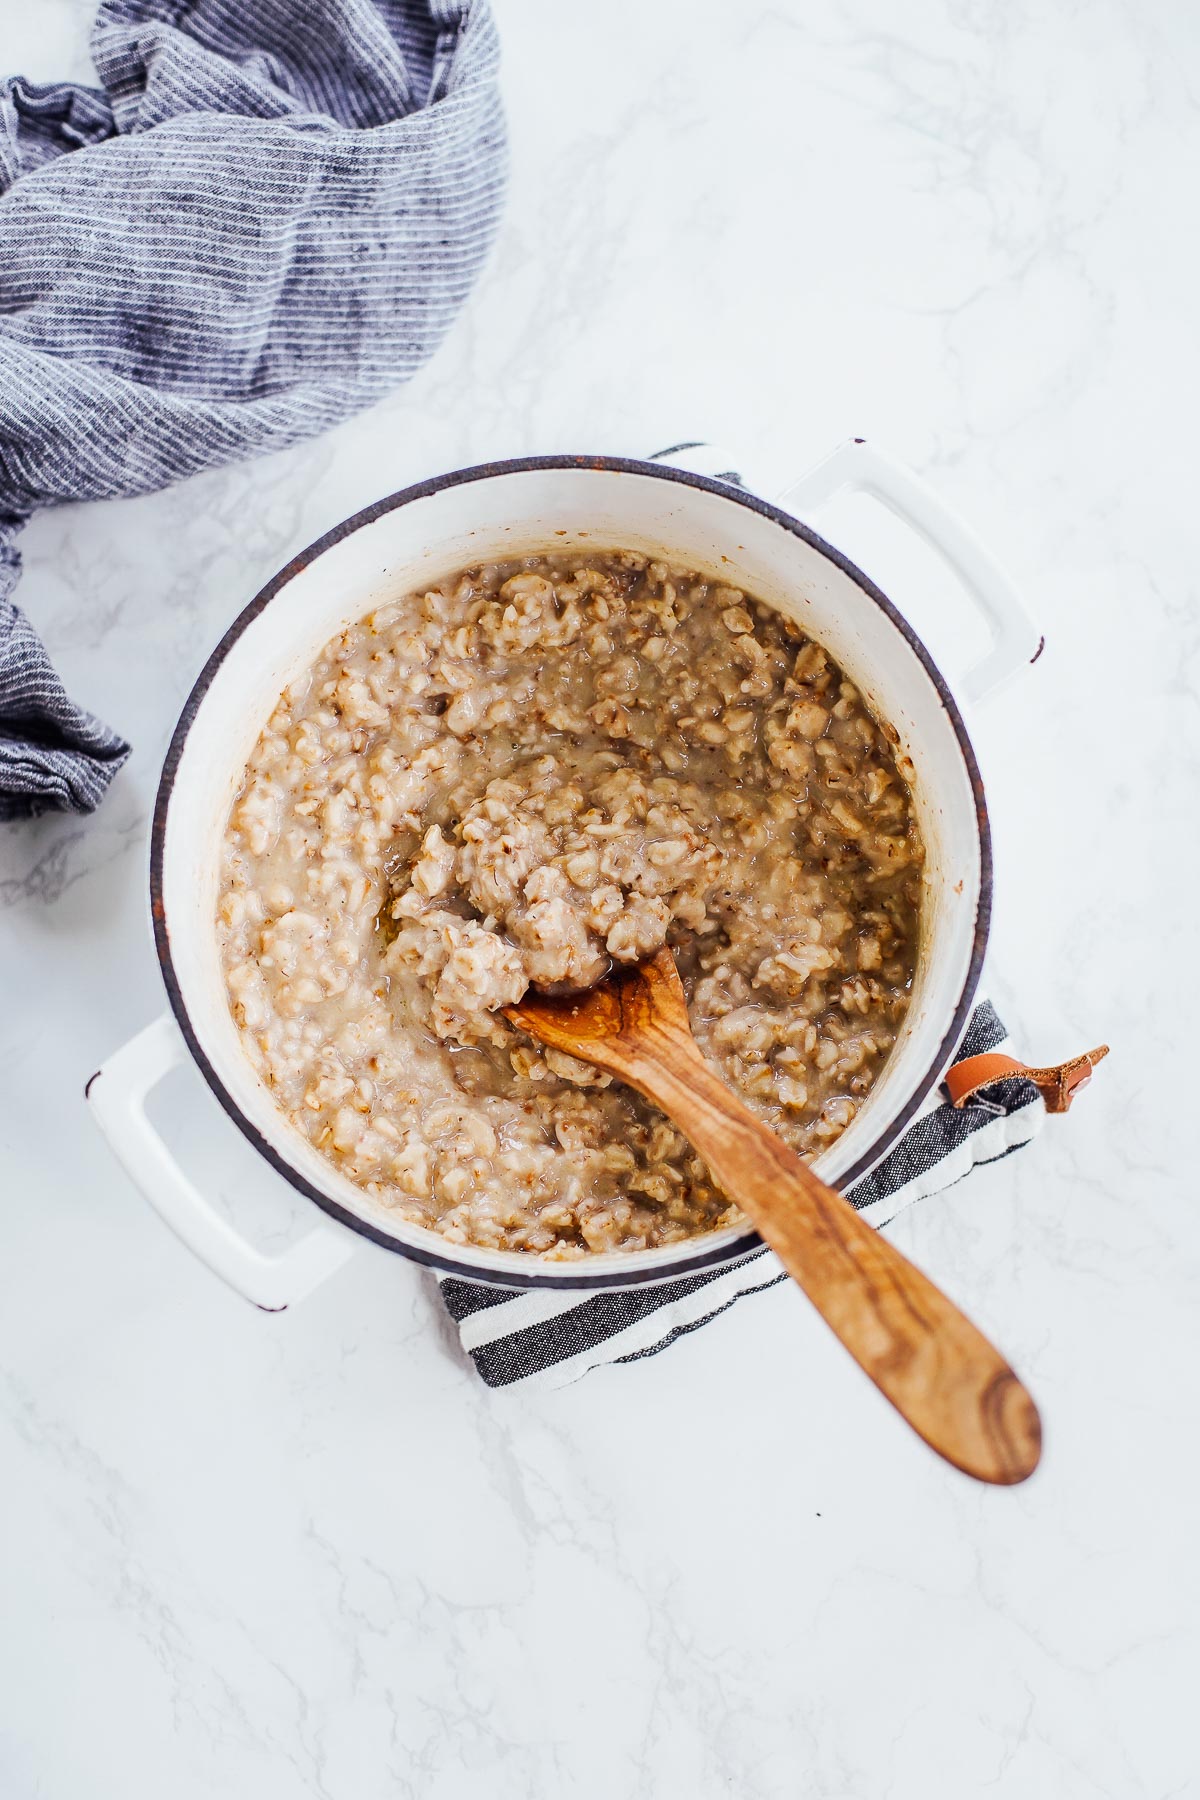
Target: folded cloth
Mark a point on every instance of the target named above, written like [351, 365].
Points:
[547, 1340]
[268, 216]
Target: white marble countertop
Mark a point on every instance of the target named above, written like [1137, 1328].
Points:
[309, 1555]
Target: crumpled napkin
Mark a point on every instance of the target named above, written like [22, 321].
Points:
[265, 217]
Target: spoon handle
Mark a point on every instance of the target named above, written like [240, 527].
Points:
[936, 1368]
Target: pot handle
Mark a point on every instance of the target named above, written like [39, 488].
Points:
[857, 467]
[117, 1095]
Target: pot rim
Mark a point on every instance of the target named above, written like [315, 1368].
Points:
[545, 1275]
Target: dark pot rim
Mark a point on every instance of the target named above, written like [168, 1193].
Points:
[569, 1276]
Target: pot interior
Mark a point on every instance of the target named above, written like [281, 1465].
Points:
[510, 510]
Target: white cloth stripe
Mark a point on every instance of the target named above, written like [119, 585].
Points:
[1006, 1132]
[652, 1331]
[523, 1310]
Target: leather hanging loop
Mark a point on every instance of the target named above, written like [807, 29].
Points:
[1058, 1083]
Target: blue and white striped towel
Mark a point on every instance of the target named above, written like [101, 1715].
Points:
[265, 217]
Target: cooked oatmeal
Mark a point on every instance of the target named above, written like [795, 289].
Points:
[530, 773]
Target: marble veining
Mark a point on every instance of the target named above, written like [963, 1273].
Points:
[309, 1555]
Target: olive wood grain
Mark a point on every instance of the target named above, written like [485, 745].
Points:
[938, 1371]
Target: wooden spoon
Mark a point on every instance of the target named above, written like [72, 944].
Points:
[938, 1371]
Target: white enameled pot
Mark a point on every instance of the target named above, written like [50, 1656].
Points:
[501, 510]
